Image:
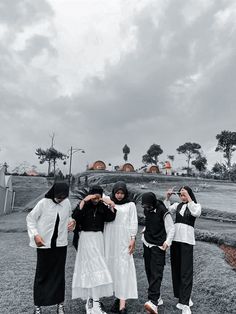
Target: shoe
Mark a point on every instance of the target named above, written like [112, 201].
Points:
[186, 310]
[123, 311]
[89, 305]
[97, 308]
[160, 301]
[180, 305]
[37, 310]
[60, 308]
[150, 307]
[116, 306]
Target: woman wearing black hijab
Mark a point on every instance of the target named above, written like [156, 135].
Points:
[182, 246]
[48, 224]
[119, 247]
[157, 236]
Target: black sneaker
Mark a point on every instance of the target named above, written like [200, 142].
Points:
[123, 311]
[116, 306]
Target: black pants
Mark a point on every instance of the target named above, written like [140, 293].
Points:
[154, 260]
[182, 270]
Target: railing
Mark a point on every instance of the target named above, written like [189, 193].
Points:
[7, 197]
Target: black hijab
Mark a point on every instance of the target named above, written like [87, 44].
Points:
[96, 189]
[149, 199]
[190, 192]
[58, 190]
[120, 185]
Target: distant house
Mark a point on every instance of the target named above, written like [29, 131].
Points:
[97, 165]
[32, 172]
[153, 169]
[127, 167]
[167, 167]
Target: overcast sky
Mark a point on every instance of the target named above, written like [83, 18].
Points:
[101, 74]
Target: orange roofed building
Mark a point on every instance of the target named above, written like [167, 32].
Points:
[97, 165]
[127, 167]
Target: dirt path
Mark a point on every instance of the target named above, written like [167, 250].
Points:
[213, 291]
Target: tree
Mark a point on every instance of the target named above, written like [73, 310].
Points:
[126, 151]
[227, 145]
[50, 155]
[147, 159]
[220, 170]
[200, 163]
[189, 150]
[151, 157]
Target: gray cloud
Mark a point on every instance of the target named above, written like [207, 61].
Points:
[18, 14]
[176, 85]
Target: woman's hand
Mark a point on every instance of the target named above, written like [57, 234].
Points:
[185, 194]
[71, 225]
[39, 241]
[109, 202]
[131, 246]
[92, 197]
[169, 193]
[164, 246]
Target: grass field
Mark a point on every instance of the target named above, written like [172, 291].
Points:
[214, 279]
[213, 292]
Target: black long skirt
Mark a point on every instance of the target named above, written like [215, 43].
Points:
[49, 283]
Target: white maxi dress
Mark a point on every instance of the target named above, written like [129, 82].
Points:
[117, 236]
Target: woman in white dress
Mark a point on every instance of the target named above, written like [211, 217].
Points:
[119, 247]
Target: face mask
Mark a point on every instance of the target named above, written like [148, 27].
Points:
[147, 209]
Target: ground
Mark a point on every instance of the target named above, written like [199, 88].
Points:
[213, 290]
[214, 254]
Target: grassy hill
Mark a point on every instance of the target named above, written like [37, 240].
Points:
[27, 189]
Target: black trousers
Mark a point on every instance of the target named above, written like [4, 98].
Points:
[182, 270]
[154, 260]
[49, 283]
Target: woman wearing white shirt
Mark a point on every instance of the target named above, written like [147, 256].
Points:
[182, 246]
[48, 224]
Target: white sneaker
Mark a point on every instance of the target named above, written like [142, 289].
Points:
[180, 305]
[150, 307]
[89, 305]
[160, 301]
[97, 308]
[186, 310]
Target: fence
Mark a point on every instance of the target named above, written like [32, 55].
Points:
[7, 195]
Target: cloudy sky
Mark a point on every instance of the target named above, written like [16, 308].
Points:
[100, 74]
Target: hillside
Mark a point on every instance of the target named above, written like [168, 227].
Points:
[28, 189]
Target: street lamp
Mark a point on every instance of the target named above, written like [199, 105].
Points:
[72, 151]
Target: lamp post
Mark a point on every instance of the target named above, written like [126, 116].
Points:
[72, 151]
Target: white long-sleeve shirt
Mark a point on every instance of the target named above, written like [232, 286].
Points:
[170, 231]
[42, 218]
[184, 233]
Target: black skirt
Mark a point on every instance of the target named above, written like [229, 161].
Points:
[49, 283]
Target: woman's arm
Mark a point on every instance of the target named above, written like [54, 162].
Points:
[195, 209]
[172, 208]
[170, 229]
[31, 220]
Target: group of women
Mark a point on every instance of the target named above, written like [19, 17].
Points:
[104, 264]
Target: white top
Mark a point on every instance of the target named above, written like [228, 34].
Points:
[170, 231]
[184, 233]
[42, 218]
